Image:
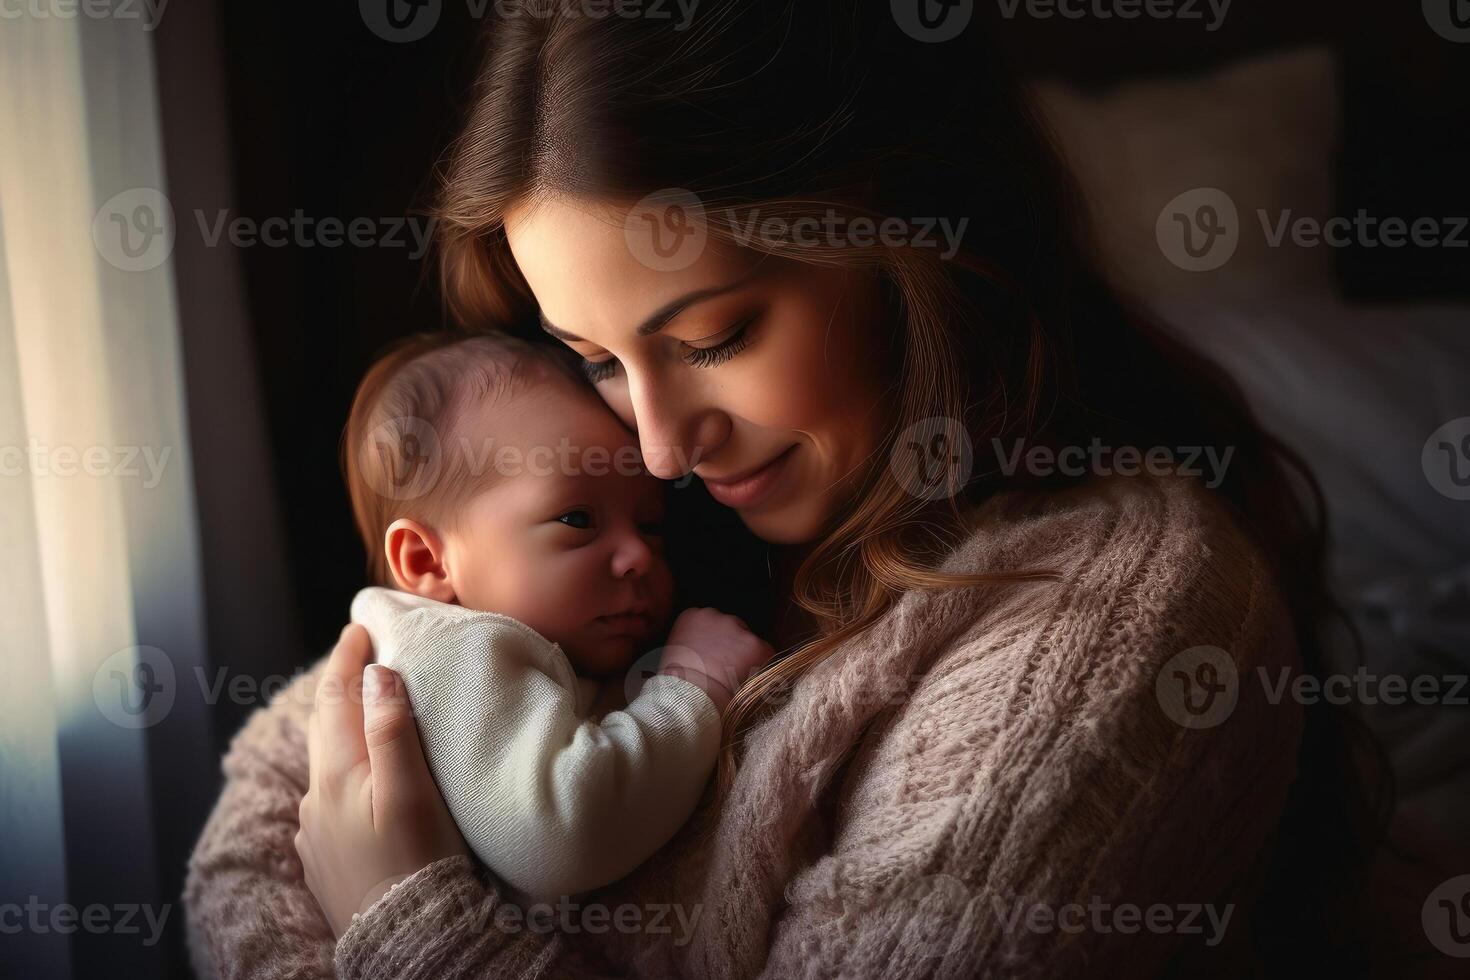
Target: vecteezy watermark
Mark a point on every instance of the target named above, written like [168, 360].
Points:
[1210, 13]
[135, 230]
[950, 897]
[121, 919]
[932, 21]
[1363, 229]
[1446, 458]
[1099, 915]
[834, 230]
[1198, 687]
[1200, 230]
[668, 230]
[1446, 917]
[1450, 19]
[1364, 687]
[304, 231]
[932, 458]
[150, 12]
[1205, 462]
[138, 686]
[135, 687]
[404, 459]
[404, 21]
[42, 461]
[565, 915]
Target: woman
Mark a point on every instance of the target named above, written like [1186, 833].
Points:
[981, 753]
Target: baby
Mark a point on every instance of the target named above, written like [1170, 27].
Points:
[515, 537]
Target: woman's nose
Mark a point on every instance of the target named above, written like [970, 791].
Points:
[675, 430]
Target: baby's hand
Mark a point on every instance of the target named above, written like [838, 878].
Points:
[715, 651]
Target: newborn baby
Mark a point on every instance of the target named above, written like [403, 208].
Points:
[515, 537]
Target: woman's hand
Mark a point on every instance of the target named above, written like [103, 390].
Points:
[372, 815]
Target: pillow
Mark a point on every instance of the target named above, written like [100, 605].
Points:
[1203, 157]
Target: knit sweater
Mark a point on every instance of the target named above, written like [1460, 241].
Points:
[551, 801]
[989, 781]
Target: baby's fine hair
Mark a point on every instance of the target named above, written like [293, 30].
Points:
[400, 456]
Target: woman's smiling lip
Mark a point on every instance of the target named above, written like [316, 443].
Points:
[746, 490]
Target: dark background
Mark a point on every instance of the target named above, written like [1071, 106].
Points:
[327, 117]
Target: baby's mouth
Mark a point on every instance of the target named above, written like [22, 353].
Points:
[630, 623]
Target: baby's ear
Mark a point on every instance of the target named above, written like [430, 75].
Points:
[415, 555]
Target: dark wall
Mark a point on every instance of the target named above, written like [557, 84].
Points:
[331, 119]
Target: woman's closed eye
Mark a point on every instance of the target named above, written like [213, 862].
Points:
[702, 357]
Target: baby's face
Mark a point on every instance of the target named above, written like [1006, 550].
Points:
[569, 539]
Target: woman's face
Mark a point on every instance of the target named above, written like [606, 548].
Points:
[765, 378]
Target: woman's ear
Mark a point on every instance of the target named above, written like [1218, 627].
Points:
[416, 557]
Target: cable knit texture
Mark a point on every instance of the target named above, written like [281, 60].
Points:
[982, 784]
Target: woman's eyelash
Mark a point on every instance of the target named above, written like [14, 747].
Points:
[723, 351]
[599, 370]
[701, 357]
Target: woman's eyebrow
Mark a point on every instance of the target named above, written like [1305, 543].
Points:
[663, 316]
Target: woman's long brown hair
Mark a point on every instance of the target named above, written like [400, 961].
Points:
[805, 108]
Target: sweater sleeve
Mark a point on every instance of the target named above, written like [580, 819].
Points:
[1077, 819]
[250, 915]
[249, 912]
[554, 804]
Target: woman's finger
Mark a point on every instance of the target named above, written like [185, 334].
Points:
[339, 704]
[314, 751]
[400, 772]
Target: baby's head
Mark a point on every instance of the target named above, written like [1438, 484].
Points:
[485, 471]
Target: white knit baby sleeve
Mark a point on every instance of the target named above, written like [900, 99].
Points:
[554, 804]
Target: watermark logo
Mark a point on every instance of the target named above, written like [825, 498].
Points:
[400, 21]
[933, 21]
[1446, 917]
[135, 687]
[1199, 687]
[666, 230]
[405, 21]
[1178, 10]
[933, 458]
[1450, 19]
[1446, 459]
[401, 458]
[134, 229]
[150, 12]
[834, 230]
[43, 461]
[63, 918]
[1199, 230]
[1207, 463]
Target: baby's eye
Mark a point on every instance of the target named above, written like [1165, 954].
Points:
[652, 527]
[581, 519]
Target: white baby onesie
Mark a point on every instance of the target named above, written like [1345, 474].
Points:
[552, 802]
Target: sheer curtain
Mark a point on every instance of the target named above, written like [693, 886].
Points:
[102, 615]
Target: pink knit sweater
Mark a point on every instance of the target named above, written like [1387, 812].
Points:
[986, 783]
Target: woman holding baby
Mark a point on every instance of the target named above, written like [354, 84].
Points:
[1007, 706]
